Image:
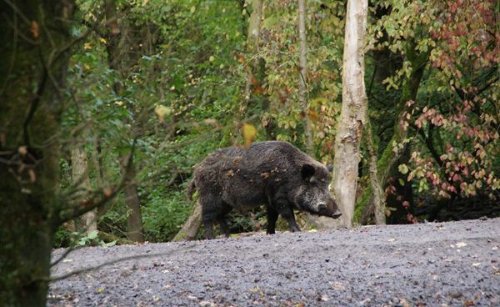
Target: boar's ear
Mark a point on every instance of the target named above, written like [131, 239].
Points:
[307, 171]
[330, 168]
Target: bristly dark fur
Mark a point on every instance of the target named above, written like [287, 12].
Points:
[274, 174]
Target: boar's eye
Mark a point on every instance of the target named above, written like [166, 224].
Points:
[307, 172]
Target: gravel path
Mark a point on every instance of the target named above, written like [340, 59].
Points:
[431, 264]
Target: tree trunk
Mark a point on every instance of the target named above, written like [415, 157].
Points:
[389, 156]
[34, 36]
[303, 76]
[120, 59]
[378, 193]
[353, 114]
[256, 101]
[253, 37]
[135, 230]
[190, 228]
[79, 173]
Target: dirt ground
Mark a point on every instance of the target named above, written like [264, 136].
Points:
[429, 264]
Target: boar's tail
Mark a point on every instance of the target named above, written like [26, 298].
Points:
[191, 189]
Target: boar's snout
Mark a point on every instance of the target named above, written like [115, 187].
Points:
[332, 210]
[336, 214]
[329, 209]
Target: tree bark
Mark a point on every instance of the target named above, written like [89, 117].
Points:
[79, 172]
[303, 75]
[353, 114]
[378, 193]
[34, 51]
[191, 226]
[135, 230]
[256, 101]
[253, 38]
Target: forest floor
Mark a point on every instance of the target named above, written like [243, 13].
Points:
[429, 264]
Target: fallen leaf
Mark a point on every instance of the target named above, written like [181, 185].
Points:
[469, 303]
[107, 192]
[32, 174]
[22, 150]
[35, 29]
[161, 111]
[249, 134]
[323, 298]
[337, 285]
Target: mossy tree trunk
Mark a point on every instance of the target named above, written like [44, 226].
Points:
[390, 156]
[81, 179]
[378, 192]
[135, 229]
[191, 226]
[34, 52]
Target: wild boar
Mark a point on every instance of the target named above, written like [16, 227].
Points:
[275, 174]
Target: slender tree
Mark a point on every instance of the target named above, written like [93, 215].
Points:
[378, 192]
[79, 172]
[303, 74]
[353, 114]
[390, 155]
[253, 38]
[120, 59]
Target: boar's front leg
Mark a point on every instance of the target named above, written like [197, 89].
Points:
[210, 210]
[214, 210]
[272, 217]
[209, 229]
[286, 211]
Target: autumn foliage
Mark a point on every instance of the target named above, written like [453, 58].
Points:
[456, 125]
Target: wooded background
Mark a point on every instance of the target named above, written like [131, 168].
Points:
[107, 105]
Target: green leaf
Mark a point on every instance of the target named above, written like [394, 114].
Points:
[403, 169]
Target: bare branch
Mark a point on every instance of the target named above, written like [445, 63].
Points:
[68, 251]
[77, 272]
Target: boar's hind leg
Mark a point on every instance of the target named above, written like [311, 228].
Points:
[272, 217]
